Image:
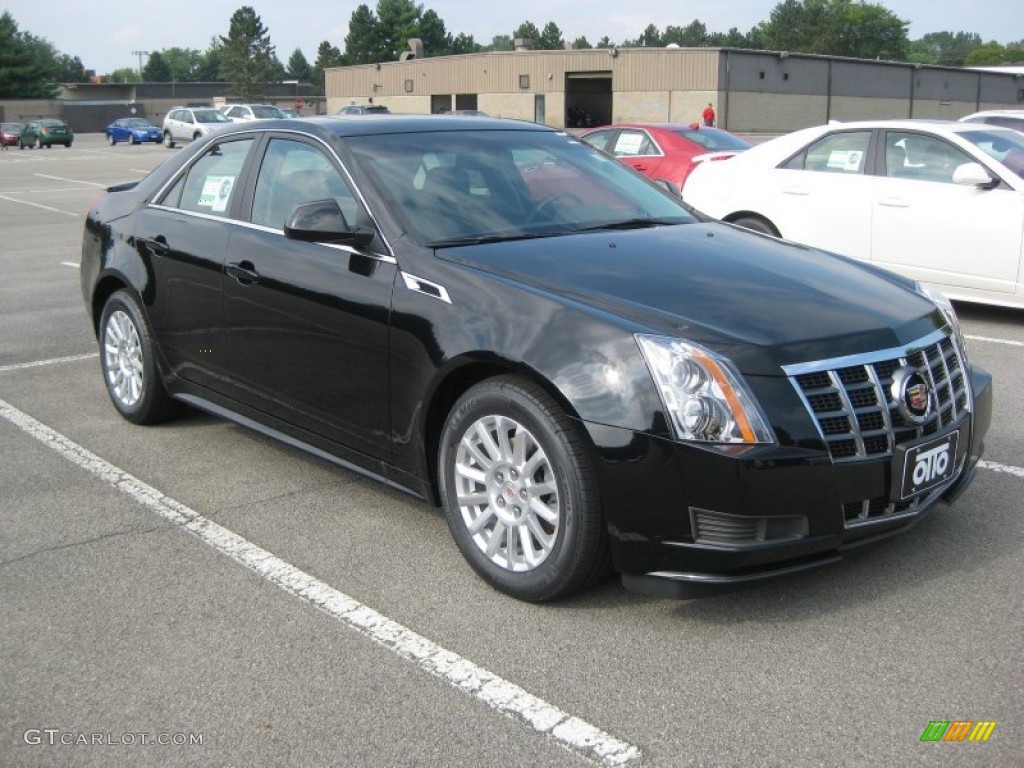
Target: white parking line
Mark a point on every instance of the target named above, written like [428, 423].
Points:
[37, 205]
[51, 361]
[73, 181]
[990, 340]
[570, 732]
[74, 264]
[1015, 471]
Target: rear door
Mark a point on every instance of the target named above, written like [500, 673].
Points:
[637, 149]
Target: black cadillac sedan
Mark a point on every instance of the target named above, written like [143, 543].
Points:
[497, 318]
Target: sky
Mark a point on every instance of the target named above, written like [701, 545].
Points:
[104, 34]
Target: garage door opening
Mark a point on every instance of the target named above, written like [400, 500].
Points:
[588, 99]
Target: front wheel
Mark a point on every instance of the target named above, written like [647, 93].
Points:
[127, 357]
[168, 141]
[519, 493]
[39, 144]
[132, 139]
[757, 224]
[111, 140]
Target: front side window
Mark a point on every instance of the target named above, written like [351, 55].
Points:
[844, 152]
[211, 184]
[922, 157]
[293, 173]
[1006, 147]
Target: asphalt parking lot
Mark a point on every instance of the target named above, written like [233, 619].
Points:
[195, 593]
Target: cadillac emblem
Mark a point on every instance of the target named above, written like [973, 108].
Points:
[912, 394]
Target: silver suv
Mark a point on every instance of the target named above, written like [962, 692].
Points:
[244, 113]
[190, 123]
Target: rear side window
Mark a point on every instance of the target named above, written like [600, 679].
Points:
[210, 185]
[844, 152]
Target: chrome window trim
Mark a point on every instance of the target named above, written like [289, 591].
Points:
[257, 134]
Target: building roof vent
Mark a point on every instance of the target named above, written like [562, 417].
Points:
[523, 44]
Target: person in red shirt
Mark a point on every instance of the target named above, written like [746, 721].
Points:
[709, 115]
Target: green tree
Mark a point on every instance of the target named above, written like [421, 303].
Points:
[207, 69]
[605, 42]
[247, 56]
[157, 70]
[550, 38]
[183, 63]
[28, 65]
[527, 30]
[993, 54]
[502, 43]
[432, 33]
[299, 68]
[124, 75]
[327, 56]
[946, 48]
[397, 22]
[837, 28]
[362, 43]
[581, 44]
[463, 43]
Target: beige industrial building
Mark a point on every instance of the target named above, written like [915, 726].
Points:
[752, 91]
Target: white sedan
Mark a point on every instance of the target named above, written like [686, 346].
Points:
[940, 202]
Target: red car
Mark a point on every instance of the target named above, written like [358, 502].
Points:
[9, 133]
[666, 151]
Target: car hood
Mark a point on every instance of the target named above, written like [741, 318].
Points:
[760, 301]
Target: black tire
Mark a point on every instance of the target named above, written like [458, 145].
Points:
[127, 359]
[111, 140]
[197, 136]
[569, 532]
[39, 144]
[757, 224]
[132, 139]
[168, 141]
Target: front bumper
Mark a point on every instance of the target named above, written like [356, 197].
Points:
[704, 521]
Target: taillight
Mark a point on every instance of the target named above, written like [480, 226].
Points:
[44, 130]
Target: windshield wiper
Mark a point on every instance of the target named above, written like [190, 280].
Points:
[631, 224]
[481, 239]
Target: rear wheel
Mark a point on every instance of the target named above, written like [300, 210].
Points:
[519, 492]
[757, 224]
[197, 136]
[127, 357]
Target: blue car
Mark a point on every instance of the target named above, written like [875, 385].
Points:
[134, 130]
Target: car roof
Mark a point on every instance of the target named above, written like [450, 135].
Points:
[997, 112]
[365, 125]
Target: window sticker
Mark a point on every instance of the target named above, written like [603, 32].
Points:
[216, 192]
[629, 143]
[845, 159]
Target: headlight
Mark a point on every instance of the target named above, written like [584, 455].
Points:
[704, 397]
[946, 307]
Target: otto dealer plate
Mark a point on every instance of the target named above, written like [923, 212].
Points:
[928, 465]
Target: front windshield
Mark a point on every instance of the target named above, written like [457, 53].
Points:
[266, 112]
[451, 187]
[1005, 146]
[716, 139]
[210, 116]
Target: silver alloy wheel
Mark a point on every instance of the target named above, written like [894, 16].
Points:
[122, 351]
[507, 493]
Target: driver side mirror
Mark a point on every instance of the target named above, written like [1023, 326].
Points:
[322, 221]
[974, 175]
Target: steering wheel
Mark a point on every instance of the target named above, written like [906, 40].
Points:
[555, 198]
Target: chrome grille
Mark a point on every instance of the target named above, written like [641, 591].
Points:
[852, 405]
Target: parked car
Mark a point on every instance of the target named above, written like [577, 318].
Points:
[467, 113]
[191, 123]
[134, 130]
[579, 371]
[289, 112]
[665, 151]
[244, 113]
[939, 202]
[9, 133]
[45, 132]
[364, 109]
[1007, 118]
